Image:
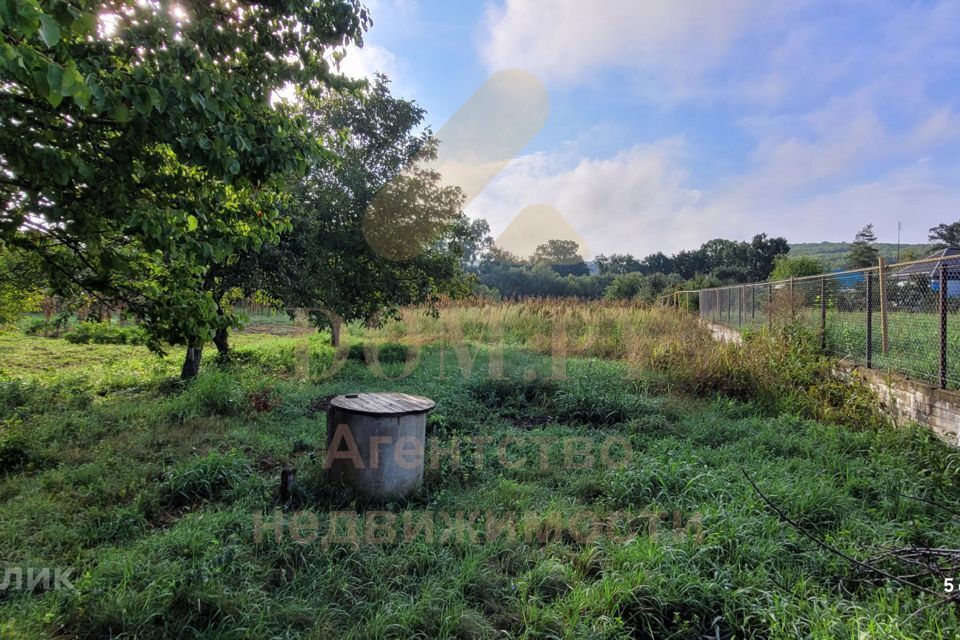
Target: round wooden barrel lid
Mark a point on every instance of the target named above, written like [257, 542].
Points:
[382, 404]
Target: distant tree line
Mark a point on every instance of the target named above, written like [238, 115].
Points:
[557, 269]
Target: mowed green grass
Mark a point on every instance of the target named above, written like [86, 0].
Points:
[913, 340]
[913, 343]
[147, 490]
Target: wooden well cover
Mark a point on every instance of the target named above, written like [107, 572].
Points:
[382, 404]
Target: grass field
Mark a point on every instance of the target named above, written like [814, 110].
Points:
[913, 345]
[148, 490]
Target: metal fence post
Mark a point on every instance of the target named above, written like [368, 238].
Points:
[869, 320]
[753, 303]
[882, 280]
[740, 306]
[793, 310]
[769, 306]
[943, 326]
[823, 314]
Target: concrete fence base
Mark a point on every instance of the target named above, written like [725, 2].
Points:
[723, 333]
[907, 401]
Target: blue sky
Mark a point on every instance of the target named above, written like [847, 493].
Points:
[673, 122]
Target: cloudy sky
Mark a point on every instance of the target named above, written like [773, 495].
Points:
[672, 122]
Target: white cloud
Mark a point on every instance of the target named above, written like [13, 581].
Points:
[918, 195]
[372, 58]
[567, 40]
[760, 52]
[817, 176]
[624, 203]
[848, 109]
[365, 62]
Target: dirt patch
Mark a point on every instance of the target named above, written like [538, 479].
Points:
[266, 463]
[272, 329]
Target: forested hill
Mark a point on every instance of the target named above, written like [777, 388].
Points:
[833, 255]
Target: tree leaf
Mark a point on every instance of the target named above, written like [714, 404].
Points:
[121, 113]
[54, 75]
[49, 31]
[54, 78]
[81, 96]
[192, 223]
[70, 82]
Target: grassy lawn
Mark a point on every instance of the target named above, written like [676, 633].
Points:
[913, 343]
[913, 340]
[148, 490]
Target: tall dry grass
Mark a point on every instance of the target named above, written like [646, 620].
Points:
[602, 329]
[779, 370]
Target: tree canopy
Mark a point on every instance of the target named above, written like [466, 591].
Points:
[617, 263]
[645, 288]
[326, 261]
[716, 262]
[862, 252]
[785, 267]
[727, 260]
[142, 146]
[945, 235]
[563, 256]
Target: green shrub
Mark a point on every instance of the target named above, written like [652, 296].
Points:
[42, 327]
[777, 371]
[386, 353]
[15, 393]
[105, 333]
[14, 452]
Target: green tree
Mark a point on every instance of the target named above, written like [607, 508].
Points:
[325, 262]
[21, 284]
[645, 288]
[785, 267]
[557, 252]
[728, 260]
[862, 253]
[563, 256]
[763, 255]
[657, 263]
[945, 235]
[494, 256]
[626, 286]
[141, 147]
[909, 255]
[475, 241]
[617, 263]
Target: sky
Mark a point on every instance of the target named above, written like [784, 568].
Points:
[672, 122]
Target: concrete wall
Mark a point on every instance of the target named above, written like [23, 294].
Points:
[904, 400]
[723, 333]
[908, 401]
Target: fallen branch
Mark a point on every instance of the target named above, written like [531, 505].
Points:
[943, 598]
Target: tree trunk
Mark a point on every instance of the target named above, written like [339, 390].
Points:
[191, 363]
[222, 339]
[334, 333]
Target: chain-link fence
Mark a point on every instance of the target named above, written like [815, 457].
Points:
[901, 317]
